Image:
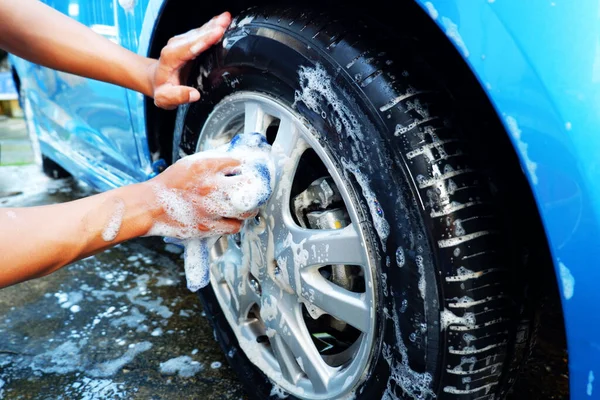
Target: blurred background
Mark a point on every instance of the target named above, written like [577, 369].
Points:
[15, 147]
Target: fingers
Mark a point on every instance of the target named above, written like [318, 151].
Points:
[224, 19]
[221, 166]
[170, 96]
[187, 46]
[249, 214]
[223, 226]
[168, 93]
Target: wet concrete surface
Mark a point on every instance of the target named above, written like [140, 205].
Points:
[120, 324]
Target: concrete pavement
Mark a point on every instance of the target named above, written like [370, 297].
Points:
[120, 324]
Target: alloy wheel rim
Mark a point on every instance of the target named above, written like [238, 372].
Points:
[271, 276]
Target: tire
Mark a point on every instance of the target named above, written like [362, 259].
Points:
[447, 312]
[52, 170]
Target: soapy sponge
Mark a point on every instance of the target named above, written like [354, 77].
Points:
[256, 174]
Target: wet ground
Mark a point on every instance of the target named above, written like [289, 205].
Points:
[122, 324]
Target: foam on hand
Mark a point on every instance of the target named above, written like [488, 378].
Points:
[237, 192]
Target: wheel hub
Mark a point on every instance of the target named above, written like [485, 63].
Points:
[296, 285]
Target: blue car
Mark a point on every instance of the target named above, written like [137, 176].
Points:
[438, 166]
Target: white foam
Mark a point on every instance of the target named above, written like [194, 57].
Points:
[64, 359]
[268, 309]
[458, 228]
[448, 318]
[300, 258]
[515, 131]
[422, 283]
[109, 368]
[132, 321]
[416, 385]
[567, 280]
[184, 366]
[111, 230]
[157, 332]
[127, 5]
[381, 224]
[11, 214]
[454, 35]
[431, 10]
[318, 93]
[67, 300]
[400, 259]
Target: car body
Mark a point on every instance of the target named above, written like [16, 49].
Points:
[537, 61]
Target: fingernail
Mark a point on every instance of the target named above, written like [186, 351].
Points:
[194, 96]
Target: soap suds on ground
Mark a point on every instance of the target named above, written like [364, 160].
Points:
[110, 347]
[184, 366]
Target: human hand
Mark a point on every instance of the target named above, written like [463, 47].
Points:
[183, 195]
[165, 74]
[207, 194]
[192, 196]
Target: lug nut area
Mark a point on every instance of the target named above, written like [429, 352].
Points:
[255, 285]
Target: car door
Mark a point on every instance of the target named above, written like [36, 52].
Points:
[100, 122]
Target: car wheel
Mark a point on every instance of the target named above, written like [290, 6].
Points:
[378, 267]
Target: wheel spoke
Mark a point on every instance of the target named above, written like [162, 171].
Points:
[246, 297]
[290, 328]
[230, 271]
[287, 149]
[341, 303]
[255, 119]
[289, 366]
[288, 140]
[310, 247]
[221, 267]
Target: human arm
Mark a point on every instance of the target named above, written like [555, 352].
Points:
[38, 33]
[39, 240]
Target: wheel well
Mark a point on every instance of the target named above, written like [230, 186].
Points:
[482, 126]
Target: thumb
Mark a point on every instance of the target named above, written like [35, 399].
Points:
[170, 96]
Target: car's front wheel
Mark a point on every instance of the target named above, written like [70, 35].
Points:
[377, 268]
